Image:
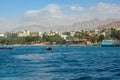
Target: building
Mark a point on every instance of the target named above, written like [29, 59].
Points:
[76, 41]
[63, 36]
[52, 33]
[72, 33]
[23, 34]
[40, 34]
[34, 34]
[2, 35]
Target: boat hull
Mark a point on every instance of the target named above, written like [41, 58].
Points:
[110, 44]
[49, 48]
[6, 48]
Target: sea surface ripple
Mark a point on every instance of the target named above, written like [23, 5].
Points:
[62, 63]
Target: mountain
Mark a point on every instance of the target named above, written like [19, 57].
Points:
[32, 28]
[89, 24]
[115, 24]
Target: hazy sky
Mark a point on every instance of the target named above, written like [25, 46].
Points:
[17, 13]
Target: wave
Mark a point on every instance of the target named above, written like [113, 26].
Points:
[31, 57]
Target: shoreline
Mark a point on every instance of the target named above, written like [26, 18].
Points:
[47, 45]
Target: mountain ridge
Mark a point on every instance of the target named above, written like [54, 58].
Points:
[91, 24]
[115, 24]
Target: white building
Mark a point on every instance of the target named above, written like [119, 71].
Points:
[2, 35]
[72, 33]
[23, 34]
[40, 34]
[63, 36]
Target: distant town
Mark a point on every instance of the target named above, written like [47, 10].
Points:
[72, 38]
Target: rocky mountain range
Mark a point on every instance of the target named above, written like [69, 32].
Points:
[89, 24]
[115, 24]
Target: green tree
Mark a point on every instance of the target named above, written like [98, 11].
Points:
[113, 33]
[81, 35]
[30, 39]
[94, 39]
[118, 35]
[4, 40]
[101, 37]
[54, 39]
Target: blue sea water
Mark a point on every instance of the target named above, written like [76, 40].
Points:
[62, 63]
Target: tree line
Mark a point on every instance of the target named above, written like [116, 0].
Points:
[32, 40]
[57, 39]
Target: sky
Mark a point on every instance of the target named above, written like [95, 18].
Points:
[17, 13]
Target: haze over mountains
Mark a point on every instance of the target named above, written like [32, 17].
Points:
[115, 24]
[88, 24]
[58, 17]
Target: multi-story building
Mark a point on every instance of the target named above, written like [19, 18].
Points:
[23, 34]
[36, 34]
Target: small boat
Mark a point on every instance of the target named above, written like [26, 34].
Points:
[49, 48]
[6, 48]
[110, 44]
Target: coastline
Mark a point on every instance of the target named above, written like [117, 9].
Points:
[46, 45]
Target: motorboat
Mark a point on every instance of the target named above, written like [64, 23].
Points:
[6, 48]
[110, 44]
[49, 48]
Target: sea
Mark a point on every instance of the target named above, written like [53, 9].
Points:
[60, 63]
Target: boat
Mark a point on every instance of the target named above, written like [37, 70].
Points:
[110, 44]
[6, 48]
[49, 48]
